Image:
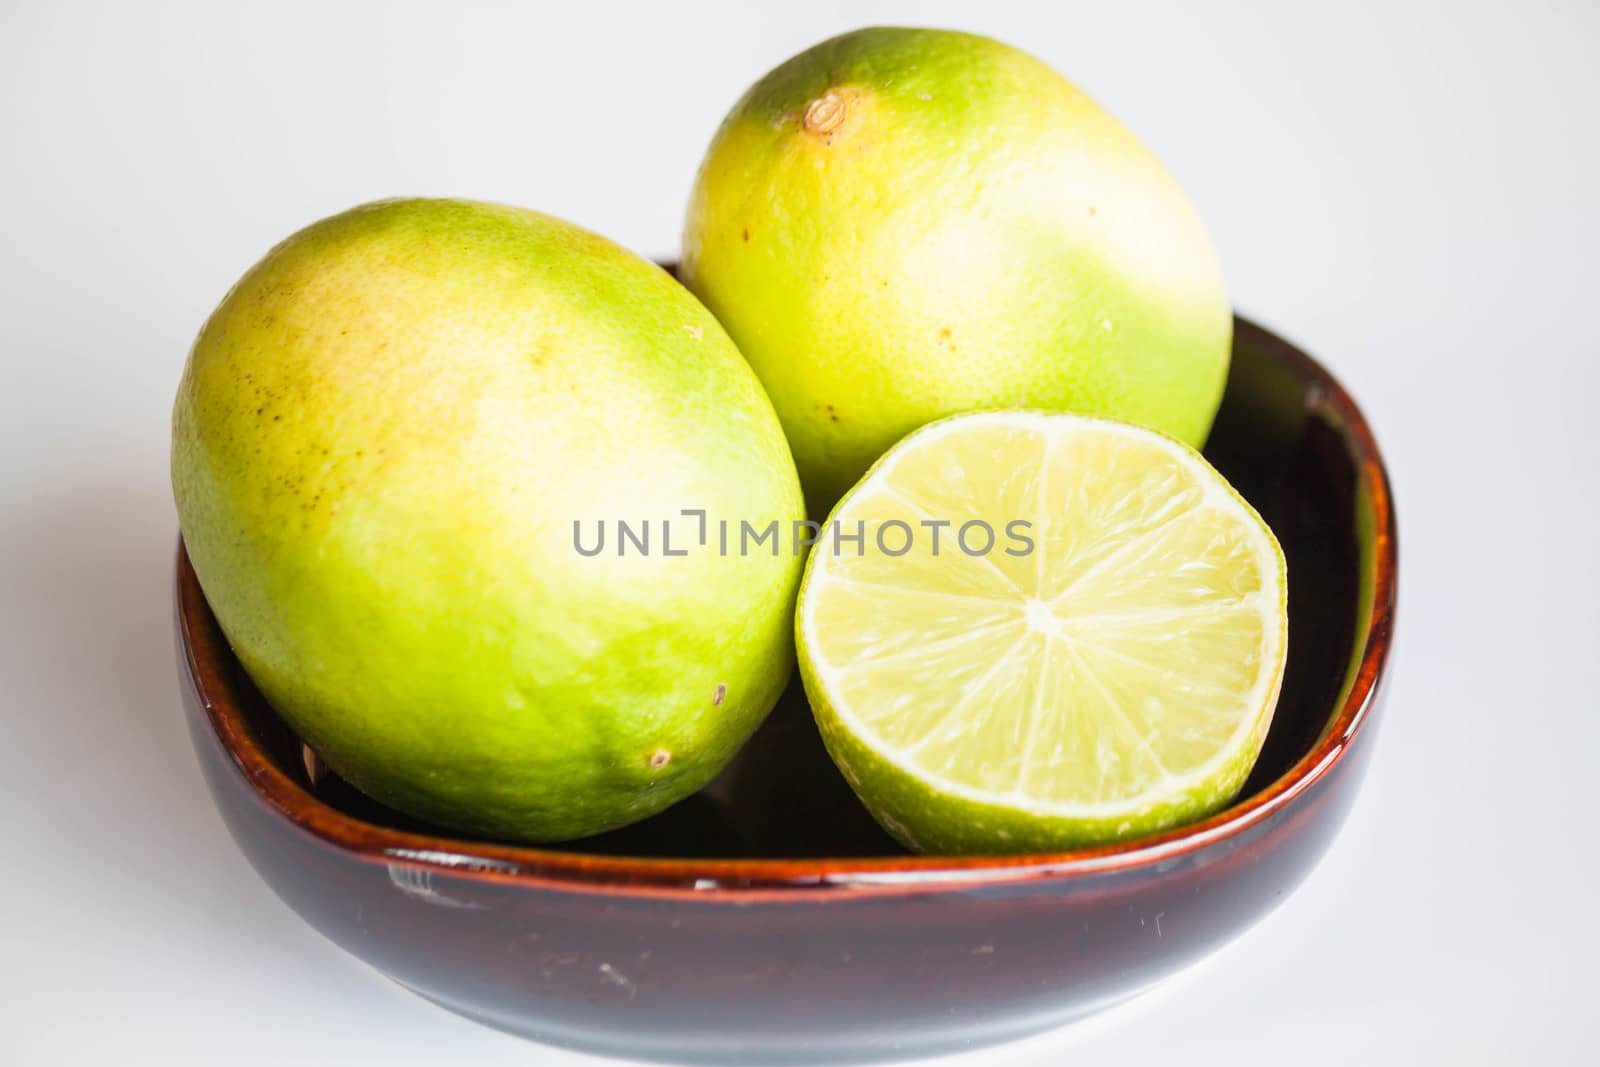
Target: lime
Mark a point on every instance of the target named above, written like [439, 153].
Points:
[902, 224]
[1027, 631]
[401, 451]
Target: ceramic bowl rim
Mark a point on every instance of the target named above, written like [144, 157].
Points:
[209, 661]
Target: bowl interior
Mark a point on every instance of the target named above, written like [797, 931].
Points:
[1284, 437]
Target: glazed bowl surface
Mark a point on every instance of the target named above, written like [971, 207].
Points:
[767, 918]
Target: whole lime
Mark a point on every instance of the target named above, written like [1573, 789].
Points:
[902, 224]
[396, 447]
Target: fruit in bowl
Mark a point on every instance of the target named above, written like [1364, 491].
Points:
[382, 442]
[1040, 627]
[1102, 665]
[862, 952]
[393, 435]
[901, 224]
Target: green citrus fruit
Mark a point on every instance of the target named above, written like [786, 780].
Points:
[381, 444]
[1102, 663]
[898, 225]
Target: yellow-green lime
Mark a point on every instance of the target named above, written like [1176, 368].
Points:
[1087, 649]
[901, 224]
[381, 444]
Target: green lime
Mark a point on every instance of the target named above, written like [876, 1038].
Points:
[1028, 631]
[389, 444]
[902, 224]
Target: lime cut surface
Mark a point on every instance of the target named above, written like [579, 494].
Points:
[1052, 631]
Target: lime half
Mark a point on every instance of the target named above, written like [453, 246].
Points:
[1025, 631]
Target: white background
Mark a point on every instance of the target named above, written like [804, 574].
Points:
[1407, 191]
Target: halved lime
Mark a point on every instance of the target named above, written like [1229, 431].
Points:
[1025, 631]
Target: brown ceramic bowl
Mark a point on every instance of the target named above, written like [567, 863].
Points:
[767, 918]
